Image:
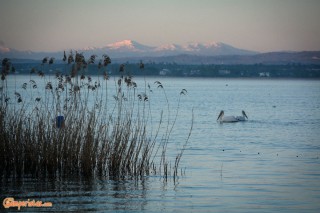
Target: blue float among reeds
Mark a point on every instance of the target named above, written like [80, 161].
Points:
[60, 121]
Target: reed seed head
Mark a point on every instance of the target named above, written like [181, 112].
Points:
[64, 56]
[70, 58]
[51, 60]
[141, 65]
[121, 69]
[45, 60]
[106, 60]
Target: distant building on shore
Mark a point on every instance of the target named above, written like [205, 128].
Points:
[164, 72]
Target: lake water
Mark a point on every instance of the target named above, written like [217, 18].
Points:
[268, 164]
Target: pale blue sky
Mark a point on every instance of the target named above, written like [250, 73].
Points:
[260, 25]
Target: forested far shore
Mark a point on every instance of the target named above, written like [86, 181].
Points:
[178, 70]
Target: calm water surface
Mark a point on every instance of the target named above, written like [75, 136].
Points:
[267, 164]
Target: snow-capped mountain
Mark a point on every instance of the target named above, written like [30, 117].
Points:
[4, 49]
[134, 48]
[191, 53]
[168, 47]
[129, 45]
[129, 48]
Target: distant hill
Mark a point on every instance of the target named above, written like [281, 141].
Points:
[272, 58]
[129, 48]
[191, 53]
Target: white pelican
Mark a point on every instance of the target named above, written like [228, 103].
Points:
[229, 119]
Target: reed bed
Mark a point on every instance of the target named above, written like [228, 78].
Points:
[70, 127]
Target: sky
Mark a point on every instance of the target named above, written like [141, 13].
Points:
[258, 25]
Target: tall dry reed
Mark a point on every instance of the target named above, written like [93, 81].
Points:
[97, 136]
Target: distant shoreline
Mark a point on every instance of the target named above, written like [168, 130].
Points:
[255, 71]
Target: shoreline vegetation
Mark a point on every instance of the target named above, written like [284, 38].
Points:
[72, 127]
[171, 69]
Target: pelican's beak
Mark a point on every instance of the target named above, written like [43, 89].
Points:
[220, 115]
[244, 114]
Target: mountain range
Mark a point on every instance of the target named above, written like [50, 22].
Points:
[129, 48]
[190, 53]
